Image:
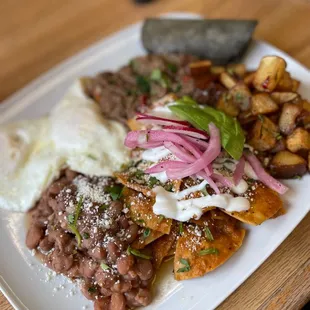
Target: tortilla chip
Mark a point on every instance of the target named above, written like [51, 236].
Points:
[227, 239]
[142, 241]
[162, 247]
[264, 204]
[281, 211]
[141, 211]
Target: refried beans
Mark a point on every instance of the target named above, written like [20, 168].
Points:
[82, 230]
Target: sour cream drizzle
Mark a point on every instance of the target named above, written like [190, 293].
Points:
[169, 205]
[173, 205]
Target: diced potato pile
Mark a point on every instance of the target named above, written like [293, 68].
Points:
[275, 117]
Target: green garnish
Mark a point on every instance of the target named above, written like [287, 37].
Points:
[208, 234]
[160, 77]
[232, 135]
[146, 233]
[172, 67]
[168, 187]
[279, 136]
[104, 266]
[297, 177]
[186, 264]
[143, 84]
[178, 88]
[115, 191]
[161, 217]
[72, 223]
[141, 221]
[153, 181]
[70, 218]
[181, 230]
[103, 207]
[91, 156]
[85, 235]
[137, 253]
[209, 251]
[138, 174]
[92, 289]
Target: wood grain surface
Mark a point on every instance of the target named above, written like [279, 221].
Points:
[35, 35]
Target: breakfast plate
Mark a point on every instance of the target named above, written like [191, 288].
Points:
[28, 285]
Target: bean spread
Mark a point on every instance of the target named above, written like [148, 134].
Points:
[81, 229]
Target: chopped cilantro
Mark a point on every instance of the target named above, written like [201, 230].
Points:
[169, 187]
[160, 77]
[92, 289]
[209, 251]
[137, 253]
[186, 264]
[279, 136]
[208, 234]
[115, 191]
[181, 230]
[172, 67]
[143, 84]
[104, 266]
[72, 223]
[85, 235]
[70, 218]
[146, 233]
[153, 181]
[161, 217]
[178, 88]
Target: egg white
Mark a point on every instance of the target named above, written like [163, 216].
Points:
[75, 135]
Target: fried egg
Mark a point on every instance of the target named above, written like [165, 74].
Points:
[75, 135]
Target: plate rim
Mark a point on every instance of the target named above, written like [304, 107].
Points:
[59, 73]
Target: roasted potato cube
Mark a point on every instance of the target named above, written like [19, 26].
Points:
[269, 73]
[287, 120]
[296, 84]
[298, 141]
[285, 83]
[304, 117]
[283, 97]
[263, 104]
[227, 105]
[249, 78]
[217, 70]
[241, 96]
[237, 69]
[200, 67]
[287, 165]
[263, 136]
[227, 80]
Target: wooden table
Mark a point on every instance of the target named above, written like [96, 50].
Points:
[35, 35]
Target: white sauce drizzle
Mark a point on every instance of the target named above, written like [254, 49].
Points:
[155, 154]
[169, 205]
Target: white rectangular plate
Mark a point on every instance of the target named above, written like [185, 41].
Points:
[26, 283]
